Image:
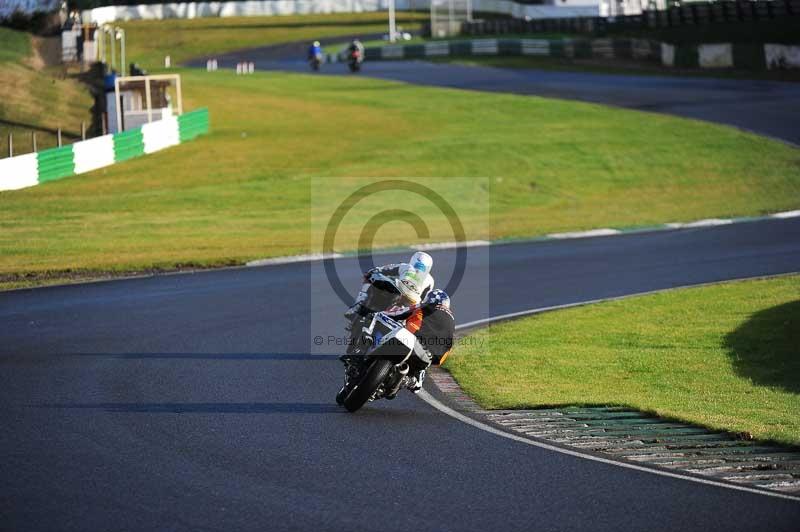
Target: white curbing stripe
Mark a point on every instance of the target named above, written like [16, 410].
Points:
[711, 222]
[786, 214]
[585, 234]
[93, 153]
[452, 245]
[19, 172]
[294, 258]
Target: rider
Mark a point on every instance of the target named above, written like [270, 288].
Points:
[415, 280]
[356, 46]
[433, 324]
[314, 50]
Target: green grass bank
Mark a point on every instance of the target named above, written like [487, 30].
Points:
[723, 356]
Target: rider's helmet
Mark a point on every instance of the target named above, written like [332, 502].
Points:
[316, 44]
[413, 279]
[437, 297]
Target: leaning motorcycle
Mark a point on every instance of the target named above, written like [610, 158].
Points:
[379, 364]
[379, 349]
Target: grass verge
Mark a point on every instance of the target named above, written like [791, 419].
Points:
[723, 356]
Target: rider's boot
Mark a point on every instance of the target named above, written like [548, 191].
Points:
[415, 381]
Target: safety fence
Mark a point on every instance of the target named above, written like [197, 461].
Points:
[48, 165]
[714, 55]
[688, 14]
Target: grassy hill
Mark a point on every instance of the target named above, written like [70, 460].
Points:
[34, 97]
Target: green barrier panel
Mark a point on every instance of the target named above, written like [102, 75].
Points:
[372, 53]
[414, 51]
[509, 47]
[749, 56]
[55, 163]
[557, 49]
[582, 48]
[190, 125]
[128, 144]
[622, 48]
[686, 55]
[460, 48]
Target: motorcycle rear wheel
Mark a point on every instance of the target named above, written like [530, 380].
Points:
[374, 377]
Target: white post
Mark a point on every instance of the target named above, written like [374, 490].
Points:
[149, 104]
[113, 48]
[120, 34]
[392, 22]
[118, 105]
[469, 10]
[180, 94]
[451, 14]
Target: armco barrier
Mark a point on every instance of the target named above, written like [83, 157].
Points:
[48, 165]
[711, 55]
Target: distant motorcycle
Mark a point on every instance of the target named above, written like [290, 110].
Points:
[379, 349]
[315, 62]
[354, 61]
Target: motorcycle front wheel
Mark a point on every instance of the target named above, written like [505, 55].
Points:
[374, 377]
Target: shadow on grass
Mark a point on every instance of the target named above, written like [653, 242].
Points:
[766, 348]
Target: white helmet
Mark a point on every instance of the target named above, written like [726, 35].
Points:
[412, 280]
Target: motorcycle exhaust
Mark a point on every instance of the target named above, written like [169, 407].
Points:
[400, 374]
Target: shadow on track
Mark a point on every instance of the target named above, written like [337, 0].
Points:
[205, 408]
[764, 348]
[209, 356]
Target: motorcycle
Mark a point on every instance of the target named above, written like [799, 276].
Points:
[354, 61]
[379, 366]
[379, 350]
[315, 61]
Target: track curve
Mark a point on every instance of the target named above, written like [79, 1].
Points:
[769, 108]
[191, 402]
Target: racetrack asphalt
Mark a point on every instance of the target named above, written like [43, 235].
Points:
[192, 402]
[770, 108]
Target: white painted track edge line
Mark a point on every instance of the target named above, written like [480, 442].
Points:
[540, 310]
[435, 403]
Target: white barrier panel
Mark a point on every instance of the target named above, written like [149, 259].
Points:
[715, 55]
[102, 15]
[93, 153]
[782, 56]
[487, 47]
[159, 135]
[437, 49]
[535, 47]
[392, 52]
[19, 172]
[667, 54]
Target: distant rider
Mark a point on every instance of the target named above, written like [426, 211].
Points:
[314, 51]
[414, 281]
[433, 324]
[356, 46]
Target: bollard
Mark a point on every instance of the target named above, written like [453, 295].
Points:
[59, 137]
[33, 141]
[238, 68]
[214, 64]
[167, 61]
[83, 130]
[10, 145]
[251, 67]
[208, 65]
